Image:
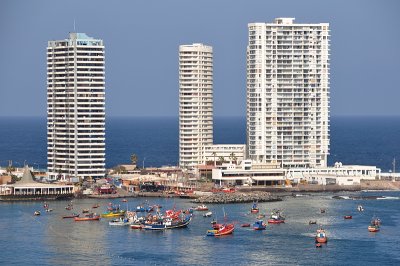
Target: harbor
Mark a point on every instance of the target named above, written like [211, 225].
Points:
[97, 241]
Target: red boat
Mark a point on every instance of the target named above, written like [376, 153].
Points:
[275, 221]
[373, 228]
[201, 208]
[245, 225]
[321, 236]
[223, 229]
[348, 217]
[87, 218]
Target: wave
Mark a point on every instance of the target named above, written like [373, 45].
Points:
[387, 198]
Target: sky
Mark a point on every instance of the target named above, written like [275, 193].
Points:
[142, 40]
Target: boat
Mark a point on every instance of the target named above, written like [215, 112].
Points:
[124, 200]
[373, 228]
[312, 222]
[137, 226]
[201, 208]
[141, 208]
[207, 214]
[167, 223]
[321, 236]
[254, 209]
[225, 229]
[49, 210]
[95, 206]
[91, 217]
[360, 208]
[71, 216]
[111, 214]
[276, 217]
[36, 213]
[85, 211]
[68, 208]
[245, 225]
[260, 216]
[347, 217]
[323, 210]
[121, 221]
[259, 225]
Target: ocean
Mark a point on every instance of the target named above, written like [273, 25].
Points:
[354, 140]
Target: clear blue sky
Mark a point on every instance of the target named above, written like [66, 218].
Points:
[142, 39]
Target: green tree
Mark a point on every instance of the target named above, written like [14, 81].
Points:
[214, 154]
[221, 159]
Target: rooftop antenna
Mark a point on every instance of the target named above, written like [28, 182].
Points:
[74, 26]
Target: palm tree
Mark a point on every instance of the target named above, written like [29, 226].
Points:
[232, 157]
[134, 159]
[221, 159]
[214, 154]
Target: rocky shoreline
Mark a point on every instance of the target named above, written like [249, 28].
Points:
[237, 197]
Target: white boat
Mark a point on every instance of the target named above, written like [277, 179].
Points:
[121, 221]
[360, 208]
[207, 214]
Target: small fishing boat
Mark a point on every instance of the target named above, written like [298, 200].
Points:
[225, 229]
[168, 223]
[254, 209]
[373, 228]
[91, 217]
[347, 217]
[111, 214]
[95, 206]
[245, 225]
[312, 222]
[36, 213]
[121, 222]
[201, 208]
[124, 200]
[207, 214]
[49, 210]
[213, 222]
[323, 210]
[321, 236]
[85, 211]
[276, 217]
[259, 225]
[70, 216]
[137, 226]
[360, 208]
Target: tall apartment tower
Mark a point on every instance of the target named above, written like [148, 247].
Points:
[75, 107]
[195, 102]
[288, 93]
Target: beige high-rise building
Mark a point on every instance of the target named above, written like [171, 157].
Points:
[195, 102]
[288, 93]
[76, 107]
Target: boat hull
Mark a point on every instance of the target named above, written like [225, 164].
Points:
[275, 221]
[113, 214]
[321, 239]
[373, 229]
[158, 227]
[227, 230]
[82, 219]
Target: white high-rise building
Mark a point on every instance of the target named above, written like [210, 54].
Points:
[195, 102]
[75, 107]
[288, 93]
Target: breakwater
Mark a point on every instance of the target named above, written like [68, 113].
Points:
[238, 197]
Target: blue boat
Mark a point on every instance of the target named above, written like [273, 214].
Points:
[259, 225]
[168, 223]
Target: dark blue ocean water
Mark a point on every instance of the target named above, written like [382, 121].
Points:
[354, 140]
[49, 240]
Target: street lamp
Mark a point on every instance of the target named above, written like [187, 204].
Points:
[144, 159]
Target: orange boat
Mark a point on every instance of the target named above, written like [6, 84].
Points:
[321, 236]
[87, 218]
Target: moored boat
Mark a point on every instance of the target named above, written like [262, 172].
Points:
[312, 222]
[360, 208]
[254, 208]
[121, 221]
[207, 214]
[347, 217]
[91, 217]
[225, 229]
[167, 223]
[111, 214]
[245, 225]
[70, 216]
[259, 225]
[36, 213]
[373, 228]
[276, 217]
[321, 236]
[201, 208]
[95, 206]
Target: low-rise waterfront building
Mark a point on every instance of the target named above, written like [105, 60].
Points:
[28, 188]
[228, 152]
